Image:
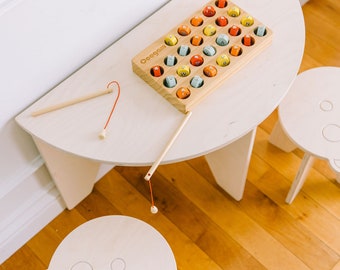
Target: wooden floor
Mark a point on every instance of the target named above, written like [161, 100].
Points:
[205, 227]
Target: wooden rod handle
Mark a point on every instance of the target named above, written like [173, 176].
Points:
[167, 147]
[71, 102]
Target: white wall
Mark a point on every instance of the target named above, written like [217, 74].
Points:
[41, 43]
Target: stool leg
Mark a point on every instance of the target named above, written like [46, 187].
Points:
[279, 138]
[338, 177]
[307, 162]
[336, 167]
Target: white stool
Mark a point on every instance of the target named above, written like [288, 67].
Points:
[113, 243]
[310, 116]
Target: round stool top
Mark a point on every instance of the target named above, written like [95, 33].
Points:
[113, 243]
[310, 113]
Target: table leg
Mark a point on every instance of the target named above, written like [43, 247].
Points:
[73, 176]
[229, 165]
[307, 162]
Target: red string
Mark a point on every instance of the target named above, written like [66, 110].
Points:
[151, 194]
[115, 103]
[108, 120]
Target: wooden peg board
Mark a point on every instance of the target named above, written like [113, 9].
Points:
[156, 54]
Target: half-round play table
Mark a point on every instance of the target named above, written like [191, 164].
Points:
[222, 126]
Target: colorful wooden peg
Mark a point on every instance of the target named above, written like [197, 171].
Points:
[196, 21]
[184, 30]
[196, 60]
[210, 71]
[170, 40]
[221, 3]
[234, 11]
[234, 30]
[235, 50]
[209, 11]
[183, 93]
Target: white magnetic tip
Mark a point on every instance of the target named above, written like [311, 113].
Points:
[147, 177]
[154, 209]
[102, 134]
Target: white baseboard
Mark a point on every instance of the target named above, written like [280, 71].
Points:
[36, 217]
[28, 218]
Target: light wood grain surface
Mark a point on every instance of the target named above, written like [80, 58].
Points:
[114, 242]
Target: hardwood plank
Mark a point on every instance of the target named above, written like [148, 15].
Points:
[317, 186]
[44, 244]
[308, 62]
[96, 205]
[62, 228]
[322, 52]
[46, 241]
[329, 15]
[24, 258]
[266, 208]
[223, 211]
[288, 230]
[322, 38]
[326, 10]
[318, 220]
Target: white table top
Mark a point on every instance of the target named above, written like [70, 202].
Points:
[113, 243]
[310, 113]
[144, 121]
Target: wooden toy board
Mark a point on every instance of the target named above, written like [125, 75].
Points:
[156, 54]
